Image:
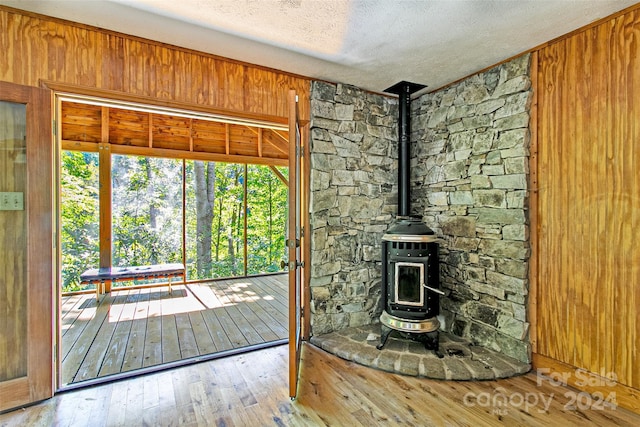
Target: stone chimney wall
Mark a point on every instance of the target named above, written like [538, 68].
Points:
[470, 158]
[353, 199]
[470, 173]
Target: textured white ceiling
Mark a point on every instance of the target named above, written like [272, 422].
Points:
[368, 43]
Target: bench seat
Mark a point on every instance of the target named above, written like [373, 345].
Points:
[101, 275]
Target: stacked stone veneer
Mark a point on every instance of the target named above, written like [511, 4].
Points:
[470, 167]
[353, 199]
[470, 148]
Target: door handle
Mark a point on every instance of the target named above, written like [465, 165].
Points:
[292, 243]
[437, 291]
[292, 265]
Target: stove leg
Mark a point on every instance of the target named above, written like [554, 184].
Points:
[384, 335]
[431, 341]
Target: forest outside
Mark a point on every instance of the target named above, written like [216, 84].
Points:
[148, 216]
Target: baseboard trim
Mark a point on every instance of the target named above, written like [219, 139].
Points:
[625, 396]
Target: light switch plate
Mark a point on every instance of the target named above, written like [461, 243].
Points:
[11, 201]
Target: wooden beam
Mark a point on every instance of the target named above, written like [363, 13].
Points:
[89, 147]
[277, 147]
[150, 130]
[283, 150]
[227, 137]
[190, 134]
[104, 172]
[168, 153]
[284, 139]
[281, 177]
[196, 155]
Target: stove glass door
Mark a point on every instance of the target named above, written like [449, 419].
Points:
[409, 280]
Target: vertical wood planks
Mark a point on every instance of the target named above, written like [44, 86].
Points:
[38, 48]
[588, 205]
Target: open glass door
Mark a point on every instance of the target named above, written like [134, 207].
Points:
[26, 246]
[293, 243]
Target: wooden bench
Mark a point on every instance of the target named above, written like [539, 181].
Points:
[144, 272]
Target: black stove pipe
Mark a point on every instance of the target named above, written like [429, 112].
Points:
[404, 90]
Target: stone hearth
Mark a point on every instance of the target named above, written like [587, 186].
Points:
[461, 361]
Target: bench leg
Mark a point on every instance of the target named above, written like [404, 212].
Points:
[99, 289]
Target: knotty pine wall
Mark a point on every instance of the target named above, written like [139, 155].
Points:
[37, 48]
[587, 275]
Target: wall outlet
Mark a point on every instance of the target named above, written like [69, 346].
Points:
[11, 201]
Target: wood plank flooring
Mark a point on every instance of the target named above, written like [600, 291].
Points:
[139, 328]
[251, 390]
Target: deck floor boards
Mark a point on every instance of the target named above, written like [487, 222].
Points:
[130, 329]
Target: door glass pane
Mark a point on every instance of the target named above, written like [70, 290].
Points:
[13, 241]
[408, 286]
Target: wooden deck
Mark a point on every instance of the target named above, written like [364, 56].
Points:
[139, 328]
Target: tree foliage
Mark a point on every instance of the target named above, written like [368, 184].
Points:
[146, 205]
[267, 219]
[79, 230]
[147, 215]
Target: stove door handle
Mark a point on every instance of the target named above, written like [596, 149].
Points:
[437, 291]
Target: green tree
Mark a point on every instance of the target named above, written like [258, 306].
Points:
[267, 215]
[79, 225]
[146, 210]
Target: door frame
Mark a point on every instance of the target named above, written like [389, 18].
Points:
[297, 240]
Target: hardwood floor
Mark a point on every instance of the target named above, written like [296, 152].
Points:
[139, 328]
[251, 390]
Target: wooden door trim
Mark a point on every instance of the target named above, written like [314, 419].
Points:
[125, 97]
[533, 205]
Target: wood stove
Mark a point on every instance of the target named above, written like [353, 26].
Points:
[410, 269]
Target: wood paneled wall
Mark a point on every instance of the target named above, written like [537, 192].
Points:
[588, 202]
[36, 48]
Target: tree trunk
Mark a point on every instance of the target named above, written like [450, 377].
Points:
[153, 210]
[205, 180]
[231, 233]
[219, 230]
[239, 227]
[230, 243]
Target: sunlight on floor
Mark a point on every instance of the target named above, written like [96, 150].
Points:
[189, 299]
